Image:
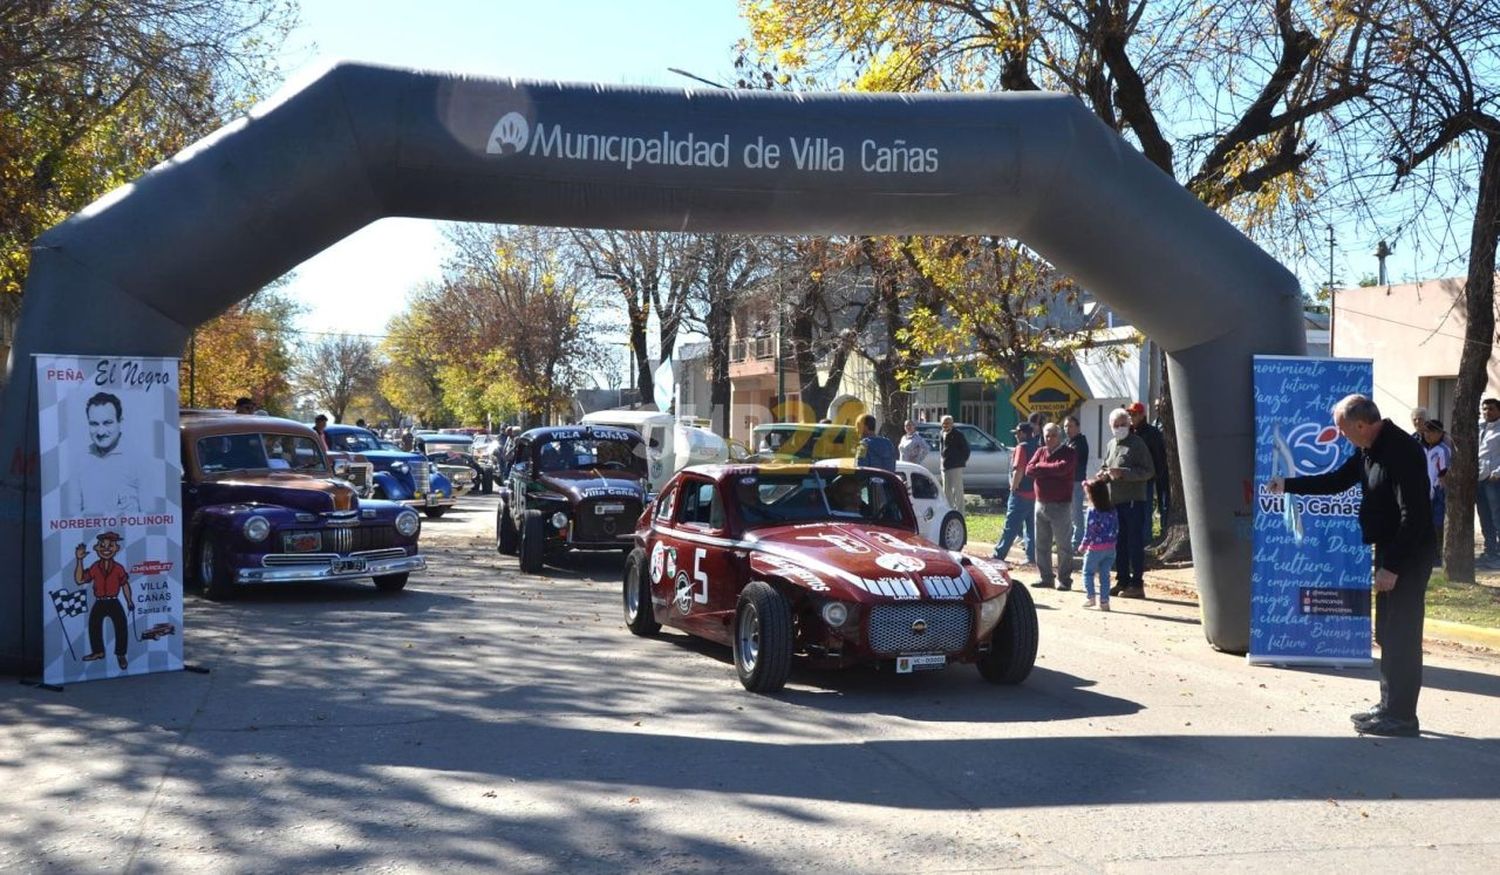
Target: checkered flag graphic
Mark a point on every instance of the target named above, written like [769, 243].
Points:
[70, 603]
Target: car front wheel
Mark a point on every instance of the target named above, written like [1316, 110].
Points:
[391, 582]
[505, 530]
[533, 541]
[213, 568]
[954, 533]
[434, 512]
[762, 638]
[1014, 642]
[639, 615]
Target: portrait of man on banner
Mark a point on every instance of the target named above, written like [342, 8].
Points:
[104, 481]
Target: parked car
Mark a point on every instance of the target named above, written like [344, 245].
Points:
[937, 520]
[802, 442]
[988, 471]
[452, 453]
[672, 443]
[571, 488]
[261, 504]
[776, 561]
[399, 476]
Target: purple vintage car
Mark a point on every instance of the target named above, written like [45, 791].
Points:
[262, 503]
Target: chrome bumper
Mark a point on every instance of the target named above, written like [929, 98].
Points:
[324, 571]
[437, 501]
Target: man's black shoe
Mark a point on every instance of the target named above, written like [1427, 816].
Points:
[1389, 726]
[1064, 587]
[1375, 713]
[1042, 584]
[1132, 592]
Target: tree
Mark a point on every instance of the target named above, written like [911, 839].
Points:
[243, 351]
[1436, 106]
[513, 319]
[651, 272]
[1229, 97]
[732, 266]
[335, 369]
[95, 92]
[411, 352]
[824, 310]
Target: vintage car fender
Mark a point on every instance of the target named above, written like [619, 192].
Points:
[227, 520]
[440, 484]
[393, 487]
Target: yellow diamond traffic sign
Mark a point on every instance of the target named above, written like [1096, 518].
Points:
[1047, 391]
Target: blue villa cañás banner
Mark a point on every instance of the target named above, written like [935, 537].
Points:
[1310, 578]
[111, 496]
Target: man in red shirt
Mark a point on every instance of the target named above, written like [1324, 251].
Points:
[111, 583]
[1052, 470]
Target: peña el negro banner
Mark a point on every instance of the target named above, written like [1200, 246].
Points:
[1310, 579]
[111, 489]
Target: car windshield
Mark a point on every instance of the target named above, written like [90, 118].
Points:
[624, 455]
[447, 443]
[774, 498]
[233, 452]
[353, 442]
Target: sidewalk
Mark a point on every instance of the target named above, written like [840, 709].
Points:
[1180, 582]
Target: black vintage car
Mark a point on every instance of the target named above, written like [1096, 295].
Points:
[571, 488]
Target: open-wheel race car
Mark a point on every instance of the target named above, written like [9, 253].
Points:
[571, 488]
[825, 562]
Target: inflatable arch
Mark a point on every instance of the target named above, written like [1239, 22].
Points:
[135, 272]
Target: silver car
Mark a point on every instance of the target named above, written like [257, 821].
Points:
[988, 470]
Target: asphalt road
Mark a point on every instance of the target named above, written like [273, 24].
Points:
[486, 720]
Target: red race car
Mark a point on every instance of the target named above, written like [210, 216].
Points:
[778, 560]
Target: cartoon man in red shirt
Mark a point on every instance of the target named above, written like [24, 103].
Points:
[111, 584]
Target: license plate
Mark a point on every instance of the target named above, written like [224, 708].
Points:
[347, 566]
[602, 509]
[909, 664]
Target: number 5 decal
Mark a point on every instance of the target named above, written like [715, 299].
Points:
[700, 591]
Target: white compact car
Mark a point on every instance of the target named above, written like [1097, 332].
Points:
[941, 523]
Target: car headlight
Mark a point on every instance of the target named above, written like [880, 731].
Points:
[989, 614]
[256, 528]
[835, 614]
[559, 520]
[407, 523]
[399, 467]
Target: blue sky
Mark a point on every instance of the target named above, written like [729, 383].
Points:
[359, 283]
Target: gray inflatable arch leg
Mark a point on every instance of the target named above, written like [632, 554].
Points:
[135, 272]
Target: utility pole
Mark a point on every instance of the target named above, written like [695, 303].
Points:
[1330, 261]
[1382, 252]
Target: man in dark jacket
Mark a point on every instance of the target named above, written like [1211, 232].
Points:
[955, 452]
[1395, 515]
[1156, 488]
[1079, 443]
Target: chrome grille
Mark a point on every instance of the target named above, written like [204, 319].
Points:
[338, 540]
[947, 628]
[423, 479]
[271, 560]
[390, 553]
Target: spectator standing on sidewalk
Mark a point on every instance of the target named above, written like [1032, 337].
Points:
[1129, 470]
[1052, 471]
[913, 447]
[1487, 490]
[1419, 419]
[1020, 507]
[875, 449]
[1156, 487]
[1396, 517]
[955, 451]
[1101, 530]
[1439, 457]
[1080, 444]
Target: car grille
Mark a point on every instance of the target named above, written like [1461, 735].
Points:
[349, 539]
[947, 628]
[272, 560]
[361, 474]
[591, 526]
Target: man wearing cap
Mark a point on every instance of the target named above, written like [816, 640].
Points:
[1434, 441]
[110, 585]
[1156, 488]
[1487, 490]
[1020, 508]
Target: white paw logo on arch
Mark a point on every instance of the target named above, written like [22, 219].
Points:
[899, 562]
